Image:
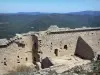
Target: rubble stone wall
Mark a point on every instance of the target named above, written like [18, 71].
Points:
[66, 43]
[15, 55]
[33, 48]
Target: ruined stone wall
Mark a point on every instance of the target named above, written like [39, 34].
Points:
[35, 55]
[60, 44]
[83, 50]
[17, 53]
[35, 48]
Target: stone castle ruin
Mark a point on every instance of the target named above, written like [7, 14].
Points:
[50, 48]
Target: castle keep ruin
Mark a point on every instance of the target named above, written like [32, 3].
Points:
[48, 48]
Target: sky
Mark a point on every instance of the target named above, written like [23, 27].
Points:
[50, 6]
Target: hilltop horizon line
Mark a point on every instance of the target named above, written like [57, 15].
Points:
[51, 12]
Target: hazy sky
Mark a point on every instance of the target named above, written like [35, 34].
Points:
[62, 6]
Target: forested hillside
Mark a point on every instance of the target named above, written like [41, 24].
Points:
[10, 24]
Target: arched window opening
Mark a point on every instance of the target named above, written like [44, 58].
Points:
[65, 47]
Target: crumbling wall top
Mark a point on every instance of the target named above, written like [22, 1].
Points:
[3, 42]
[56, 29]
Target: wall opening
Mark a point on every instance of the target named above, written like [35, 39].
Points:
[4, 58]
[65, 47]
[92, 33]
[34, 60]
[21, 45]
[5, 63]
[17, 56]
[98, 58]
[26, 59]
[56, 52]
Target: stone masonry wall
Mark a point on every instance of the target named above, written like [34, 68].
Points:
[31, 49]
[52, 42]
[15, 54]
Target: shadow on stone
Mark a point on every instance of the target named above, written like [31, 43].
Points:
[46, 63]
[83, 50]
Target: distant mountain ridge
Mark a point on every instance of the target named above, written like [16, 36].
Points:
[30, 13]
[93, 13]
[12, 23]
